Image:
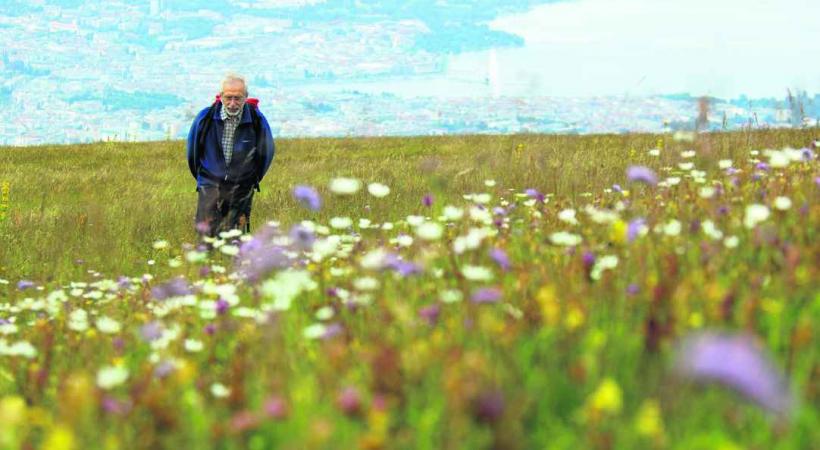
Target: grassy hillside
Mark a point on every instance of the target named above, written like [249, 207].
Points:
[99, 207]
[539, 298]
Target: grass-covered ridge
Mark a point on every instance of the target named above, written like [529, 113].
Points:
[542, 310]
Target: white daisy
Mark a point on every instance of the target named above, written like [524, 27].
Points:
[345, 186]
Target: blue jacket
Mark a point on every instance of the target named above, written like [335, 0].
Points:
[252, 154]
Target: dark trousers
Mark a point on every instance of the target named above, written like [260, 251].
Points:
[224, 207]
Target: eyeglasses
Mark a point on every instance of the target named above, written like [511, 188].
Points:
[233, 98]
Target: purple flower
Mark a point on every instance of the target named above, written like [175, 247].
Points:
[806, 154]
[332, 330]
[402, 267]
[24, 284]
[222, 306]
[588, 258]
[641, 174]
[349, 401]
[634, 228]
[276, 408]
[260, 239]
[500, 257]
[210, 329]
[735, 361]
[302, 237]
[617, 188]
[124, 282]
[499, 211]
[632, 289]
[427, 200]
[243, 421]
[175, 287]
[260, 255]
[762, 166]
[817, 181]
[164, 368]
[486, 295]
[307, 197]
[430, 313]
[151, 331]
[731, 171]
[203, 227]
[489, 406]
[534, 193]
[112, 405]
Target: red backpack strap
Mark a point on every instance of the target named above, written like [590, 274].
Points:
[250, 100]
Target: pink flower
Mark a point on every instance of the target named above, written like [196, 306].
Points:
[349, 401]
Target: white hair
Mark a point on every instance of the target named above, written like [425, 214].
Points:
[234, 78]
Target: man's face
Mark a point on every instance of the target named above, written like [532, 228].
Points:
[233, 97]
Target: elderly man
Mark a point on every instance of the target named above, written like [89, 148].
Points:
[230, 148]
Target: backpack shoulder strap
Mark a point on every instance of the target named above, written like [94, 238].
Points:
[203, 128]
[257, 129]
[257, 122]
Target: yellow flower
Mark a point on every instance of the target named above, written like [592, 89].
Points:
[77, 392]
[618, 231]
[550, 308]
[12, 411]
[59, 438]
[696, 320]
[184, 372]
[648, 421]
[607, 397]
[574, 319]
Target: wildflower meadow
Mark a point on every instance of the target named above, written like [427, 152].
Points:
[466, 292]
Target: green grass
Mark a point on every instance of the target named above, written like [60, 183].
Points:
[106, 203]
[553, 347]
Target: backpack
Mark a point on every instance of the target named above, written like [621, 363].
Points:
[206, 122]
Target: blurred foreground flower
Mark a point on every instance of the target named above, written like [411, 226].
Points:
[349, 401]
[489, 406]
[486, 295]
[260, 255]
[307, 197]
[275, 407]
[735, 361]
[173, 288]
[378, 190]
[641, 174]
[345, 186]
[607, 398]
[754, 215]
[111, 376]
